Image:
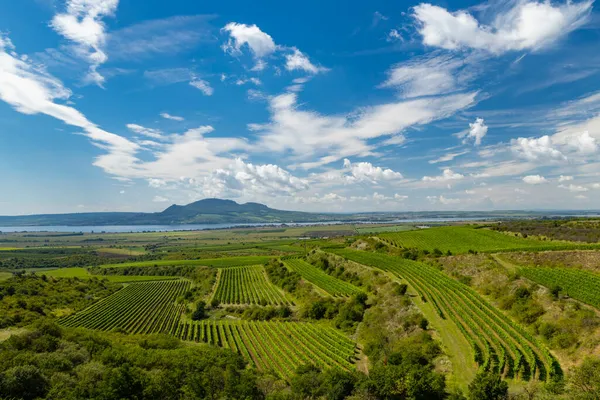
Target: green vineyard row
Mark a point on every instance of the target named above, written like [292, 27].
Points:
[319, 278]
[247, 285]
[458, 239]
[209, 262]
[498, 343]
[280, 347]
[578, 284]
[137, 308]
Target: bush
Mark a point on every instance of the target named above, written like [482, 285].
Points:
[488, 386]
[200, 312]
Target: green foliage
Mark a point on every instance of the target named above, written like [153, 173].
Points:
[488, 386]
[585, 380]
[88, 365]
[26, 298]
[281, 276]
[404, 381]
[200, 312]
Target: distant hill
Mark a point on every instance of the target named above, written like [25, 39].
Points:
[207, 211]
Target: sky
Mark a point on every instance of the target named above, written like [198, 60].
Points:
[338, 106]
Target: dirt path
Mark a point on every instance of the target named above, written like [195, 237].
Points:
[509, 266]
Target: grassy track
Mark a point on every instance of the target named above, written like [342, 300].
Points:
[277, 346]
[247, 285]
[459, 239]
[138, 308]
[497, 342]
[5, 275]
[210, 262]
[320, 279]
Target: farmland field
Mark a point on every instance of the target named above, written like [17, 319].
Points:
[579, 284]
[82, 273]
[276, 346]
[247, 285]
[209, 262]
[138, 308]
[498, 344]
[319, 278]
[462, 239]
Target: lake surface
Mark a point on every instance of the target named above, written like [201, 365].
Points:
[203, 227]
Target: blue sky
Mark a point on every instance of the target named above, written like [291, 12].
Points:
[130, 105]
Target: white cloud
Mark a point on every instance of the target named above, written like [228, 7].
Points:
[253, 80]
[171, 117]
[160, 199]
[299, 61]
[447, 157]
[430, 75]
[596, 186]
[122, 192]
[156, 183]
[534, 179]
[203, 86]
[583, 143]
[533, 149]
[393, 35]
[364, 171]
[153, 133]
[259, 42]
[308, 134]
[82, 24]
[447, 175]
[565, 178]
[525, 25]
[574, 188]
[477, 131]
[400, 197]
[443, 200]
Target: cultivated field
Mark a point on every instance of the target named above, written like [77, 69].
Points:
[209, 262]
[498, 343]
[247, 285]
[458, 239]
[82, 273]
[138, 308]
[319, 278]
[277, 346]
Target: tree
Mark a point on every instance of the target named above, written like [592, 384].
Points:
[23, 382]
[586, 379]
[200, 312]
[488, 386]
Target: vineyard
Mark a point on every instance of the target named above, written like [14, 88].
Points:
[578, 284]
[247, 285]
[138, 308]
[223, 262]
[457, 239]
[275, 346]
[498, 344]
[319, 278]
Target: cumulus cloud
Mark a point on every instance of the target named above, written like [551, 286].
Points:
[443, 200]
[565, 178]
[365, 171]
[534, 179]
[525, 25]
[400, 197]
[447, 175]
[299, 61]
[171, 117]
[477, 131]
[250, 36]
[82, 24]
[203, 86]
[533, 149]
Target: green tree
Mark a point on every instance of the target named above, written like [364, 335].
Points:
[488, 386]
[23, 382]
[200, 312]
[585, 380]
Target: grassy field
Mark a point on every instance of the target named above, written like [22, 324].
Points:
[5, 275]
[214, 262]
[82, 273]
[380, 229]
[458, 239]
